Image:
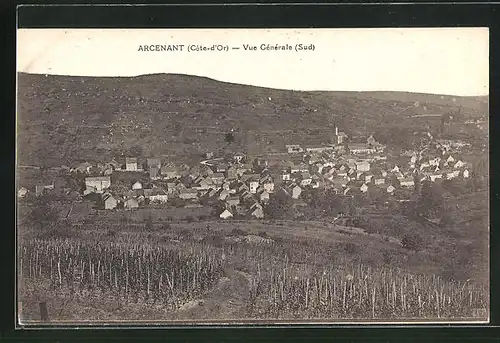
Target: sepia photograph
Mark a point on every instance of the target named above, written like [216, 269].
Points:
[252, 176]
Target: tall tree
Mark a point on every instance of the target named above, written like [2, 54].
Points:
[280, 206]
[431, 202]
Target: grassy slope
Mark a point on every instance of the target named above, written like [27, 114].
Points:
[62, 119]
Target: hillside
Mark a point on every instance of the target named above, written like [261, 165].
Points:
[63, 119]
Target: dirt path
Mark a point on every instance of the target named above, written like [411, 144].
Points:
[227, 300]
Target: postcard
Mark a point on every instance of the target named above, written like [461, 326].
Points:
[252, 176]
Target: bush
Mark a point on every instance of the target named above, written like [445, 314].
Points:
[215, 240]
[263, 234]
[189, 219]
[351, 248]
[111, 233]
[238, 232]
[413, 242]
[185, 233]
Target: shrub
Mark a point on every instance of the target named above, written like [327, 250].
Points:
[413, 242]
[238, 232]
[351, 248]
[185, 233]
[263, 234]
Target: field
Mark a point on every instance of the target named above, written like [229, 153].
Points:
[214, 270]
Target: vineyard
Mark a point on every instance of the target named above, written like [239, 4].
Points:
[132, 272]
[361, 292]
[278, 288]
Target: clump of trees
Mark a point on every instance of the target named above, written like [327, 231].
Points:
[279, 206]
[430, 203]
[413, 241]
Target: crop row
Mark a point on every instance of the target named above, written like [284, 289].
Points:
[167, 275]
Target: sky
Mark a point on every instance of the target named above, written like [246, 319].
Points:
[452, 61]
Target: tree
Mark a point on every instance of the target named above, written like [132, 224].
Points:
[279, 207]
[431, 202]
[412, 242]
[229, 137]
[149, 223]
[136, 150]
[42, 215]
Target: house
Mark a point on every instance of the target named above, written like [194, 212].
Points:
[223, 194]
[154, 172]
[406, 181]
[109, 201]
[459, 164]
[363, 188]
[131, 204]
[466, 174]
[368, 177]
[226, 185]
[306, 179]
[238, 157]
[301, 168]
[221, 168]
[186, 194]
[296, 191]
[339, 137]
[170, 172]
[339, 181]
[294, 148]
[371, 141]
[205, 170]
[107, 171]
[82, 168]
[232, 173]
[113, 164]
[21, 193]
[213, 192]
[99, 183]
[137, 185]
[387, 188]
[245, 195]
[319, 148]
[435, 161]
[268, 186]
[131, 164]
[217, 178]
[264, 196]
[450, 159]
[453, 174]
[360, 148]
[158, 195]
[226, 214]
[285, 175]
[253, 185]
[232, 201]
[240, 170]
[257, 212]
[242, 188]
[433, 177]
[362, 166]
[319, 167]
[379, 181]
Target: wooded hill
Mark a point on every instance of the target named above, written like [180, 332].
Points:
[63, 119]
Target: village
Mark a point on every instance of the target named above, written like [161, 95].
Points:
[236, 185]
